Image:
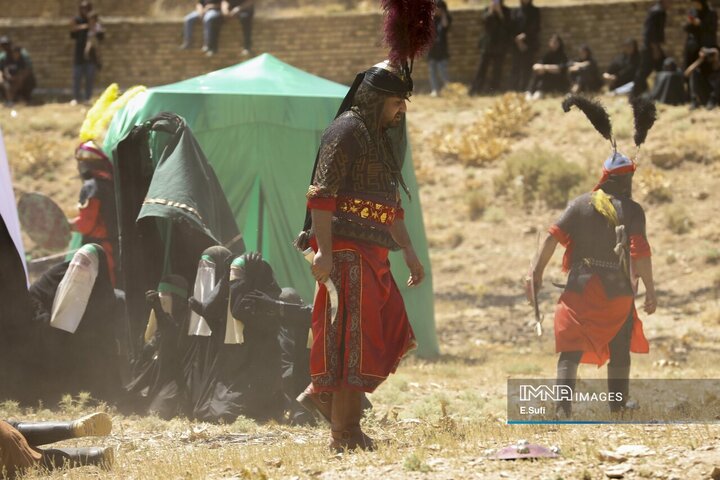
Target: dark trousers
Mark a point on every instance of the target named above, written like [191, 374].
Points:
[489, 59]
[246, 22]
[648, 63]
[618, 368]
[704, 87]
[522, 63]
[83, 72]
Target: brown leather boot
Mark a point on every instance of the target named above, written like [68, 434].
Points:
[317, 403]
[345, 426]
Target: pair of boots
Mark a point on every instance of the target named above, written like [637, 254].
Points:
[618, 383]
[93, 425]
[343, 411]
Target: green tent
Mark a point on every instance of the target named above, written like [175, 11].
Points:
[260, 124]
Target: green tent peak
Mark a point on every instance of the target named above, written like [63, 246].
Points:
[262, 75]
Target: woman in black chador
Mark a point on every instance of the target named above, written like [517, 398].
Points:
[584, 72]
[550, 73]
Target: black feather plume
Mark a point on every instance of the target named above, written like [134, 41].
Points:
[645, 115]
[593, 110]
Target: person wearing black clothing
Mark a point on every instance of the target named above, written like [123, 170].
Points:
[669, 85]
[584, 72]
[623, 68]
[498, 27]
[704, 75]
[244, 10]
[16, 75]
[439, 51]
[652, 55]
[84, 66]
[526, 28]
[701, 29]
[550, 73]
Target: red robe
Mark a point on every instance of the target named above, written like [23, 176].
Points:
[372, 332]
[587, 322]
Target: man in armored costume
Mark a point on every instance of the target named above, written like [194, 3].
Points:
[606, 251]
[354, 218]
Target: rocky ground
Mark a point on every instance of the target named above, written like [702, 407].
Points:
[443, 418]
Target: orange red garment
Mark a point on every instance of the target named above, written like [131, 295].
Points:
[90, 224]
[372, 332]
[588, 321]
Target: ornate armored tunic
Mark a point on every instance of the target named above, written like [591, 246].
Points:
[598, 299]
[590, 241]
[358, 175]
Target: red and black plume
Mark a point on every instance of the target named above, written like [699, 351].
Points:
[409, 28]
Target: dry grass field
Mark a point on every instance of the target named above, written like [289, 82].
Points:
[441, 418]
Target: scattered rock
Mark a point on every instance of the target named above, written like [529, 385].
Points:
[610, 456]
[634, 451]
[617, 471]
[715, 475]
[701, 195]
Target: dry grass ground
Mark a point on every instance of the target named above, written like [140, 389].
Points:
[439, 419]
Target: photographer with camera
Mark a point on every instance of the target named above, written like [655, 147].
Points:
[704, 75]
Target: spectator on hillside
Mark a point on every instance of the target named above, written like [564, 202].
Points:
[623, 68]
[701, 29]
[669, 84]
[497, 21]
[526, 30]
[84, 66]
[244, 10]
[95, 34]
[439, 51]
[17, 80]
[704, 75]
[550, 73]
[210, 11]
[651, 55]
[584, 72]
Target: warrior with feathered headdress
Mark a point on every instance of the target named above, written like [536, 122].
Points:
[359, 324]
[606, 252]
[97, 220]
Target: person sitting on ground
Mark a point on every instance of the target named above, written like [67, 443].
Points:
[158, 386]
[669, 87]
[17, 80]
[210, 12]
[704, 75]
[244, 10]
[19, 442]
[623, 68]
[584, 72]
[549, 74]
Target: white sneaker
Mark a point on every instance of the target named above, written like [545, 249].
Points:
[434, 93]
[537, 95]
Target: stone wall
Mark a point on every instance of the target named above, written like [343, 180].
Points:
[144, 51]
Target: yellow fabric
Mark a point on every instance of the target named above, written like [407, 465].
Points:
[603, 204]
[88, 129]
[104, 109]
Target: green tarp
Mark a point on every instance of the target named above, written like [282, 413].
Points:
[260, 124]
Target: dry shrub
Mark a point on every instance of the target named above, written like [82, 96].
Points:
[678, 221]
[490, 137]
[35, 154]
[532, 175]
[653, 185]
[477, 203]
